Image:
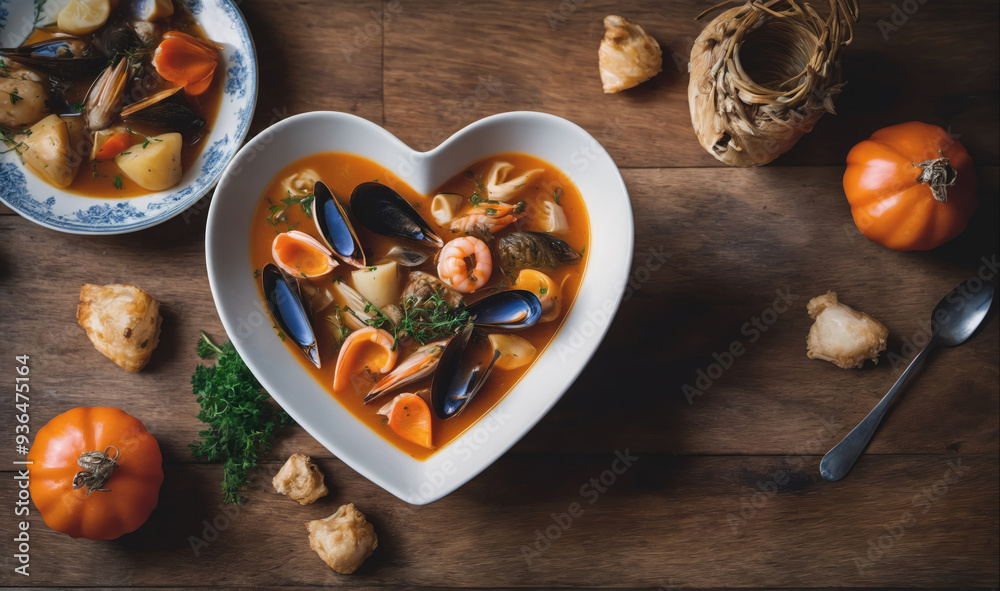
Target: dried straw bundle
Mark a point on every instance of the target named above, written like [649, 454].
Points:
[763, 73]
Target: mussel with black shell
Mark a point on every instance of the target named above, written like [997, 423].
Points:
[287, 308]
[335, 227]
[460, 370]
[383, 211]
[66, 57]
[460, 375]
[166, 109]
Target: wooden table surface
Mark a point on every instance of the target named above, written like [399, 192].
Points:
[724, 490]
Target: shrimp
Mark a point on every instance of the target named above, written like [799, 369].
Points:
[465, 264]
[486, 217]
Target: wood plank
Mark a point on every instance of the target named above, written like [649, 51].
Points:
[717, 275]
[307, 65]
[478, 60]
[664, 521]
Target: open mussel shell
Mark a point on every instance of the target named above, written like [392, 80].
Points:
[103, 100]
[285, 303]
[459, 376]
[67, 57]
[406, 257]
[166, 109]
[384, 211]
[513, 309]
[117, 38]
[335, 228]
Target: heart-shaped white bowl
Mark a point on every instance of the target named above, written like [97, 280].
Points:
[230, 273]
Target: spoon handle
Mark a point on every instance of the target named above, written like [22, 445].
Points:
[838, 461]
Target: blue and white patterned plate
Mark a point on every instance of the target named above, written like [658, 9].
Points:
[44, 204]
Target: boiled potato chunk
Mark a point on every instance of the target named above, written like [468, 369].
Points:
[514, 351]
[156, 167]
[83, 16]
[47, 152]
[153, 10]
[379, 284]
[22, 98]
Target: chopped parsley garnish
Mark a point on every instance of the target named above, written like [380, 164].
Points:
[14, 97]
[431, 320]
[118, 181]
[77, 107]
[279, 213]
[147, 138]
[543, 290]
[240, 420]
[10, 136]
[556, 194]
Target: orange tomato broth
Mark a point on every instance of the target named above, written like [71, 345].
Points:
[206, 105]
[342, 172]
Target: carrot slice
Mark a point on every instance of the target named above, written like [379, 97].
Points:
[114, 145]
[186, 61]
[410, 418]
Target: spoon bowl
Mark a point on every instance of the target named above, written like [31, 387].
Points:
[959, 314]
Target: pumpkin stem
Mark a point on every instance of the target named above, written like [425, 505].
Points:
[939, 175]
[97, 469]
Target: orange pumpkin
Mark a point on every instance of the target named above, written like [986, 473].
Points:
[95, 473]
[911, 186]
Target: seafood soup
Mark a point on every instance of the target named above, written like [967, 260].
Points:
[114, 99]
[418, 313]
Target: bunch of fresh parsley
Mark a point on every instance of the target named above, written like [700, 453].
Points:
[241, 421]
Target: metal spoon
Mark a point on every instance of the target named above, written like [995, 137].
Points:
[954, 320]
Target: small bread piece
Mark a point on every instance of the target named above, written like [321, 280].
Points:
[300, 479]
[343, 540]
[842, 335]
[122, 321]
[628, 55]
